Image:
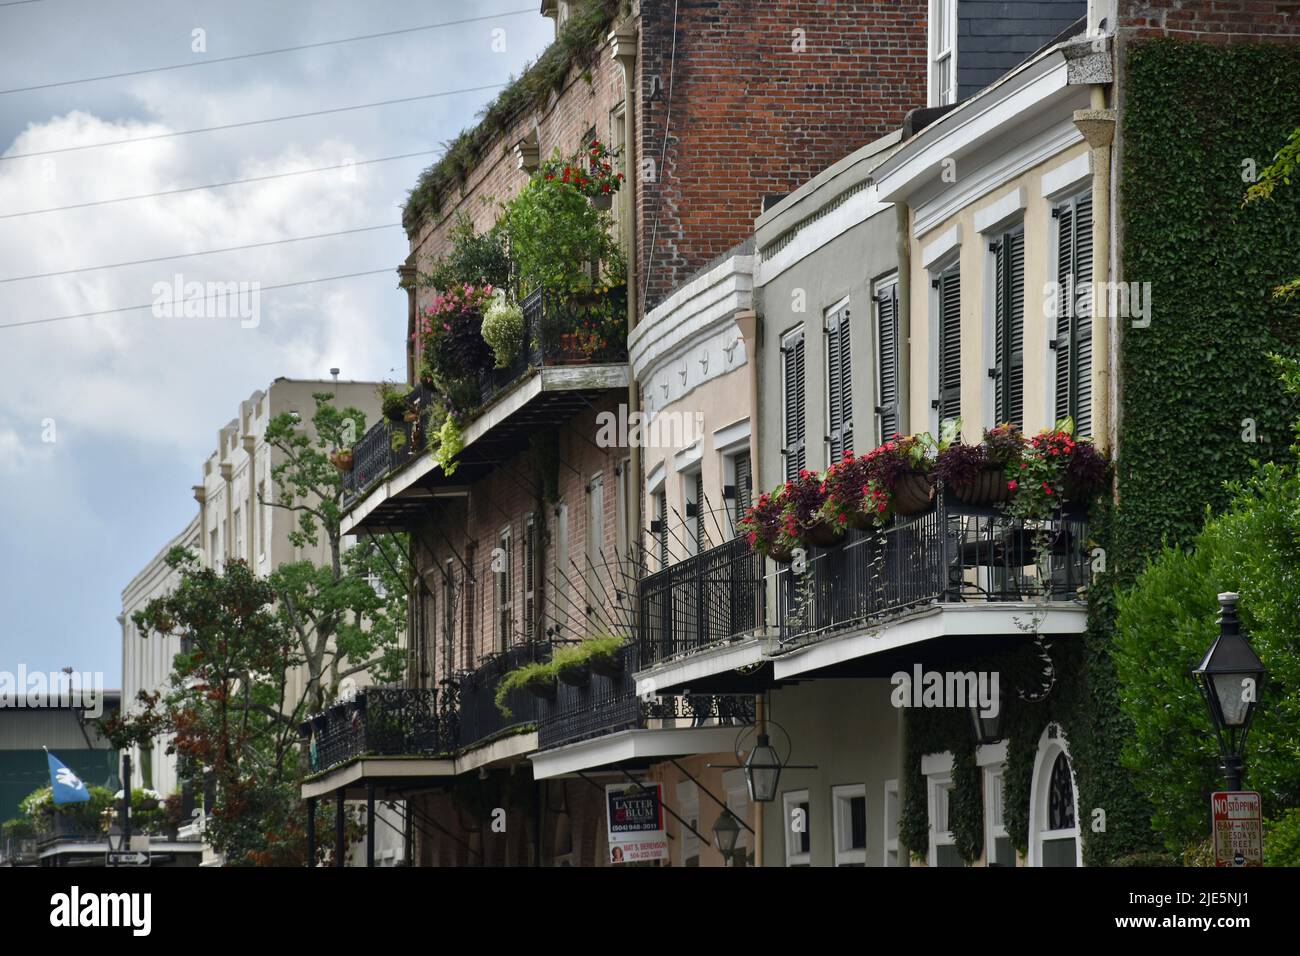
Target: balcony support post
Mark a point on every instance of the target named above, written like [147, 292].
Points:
[338, 827]
[370, 823]
[311, 831]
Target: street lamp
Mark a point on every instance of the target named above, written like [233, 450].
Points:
[1230, 678]
[726, 831]
[988, 728]
[762, 771]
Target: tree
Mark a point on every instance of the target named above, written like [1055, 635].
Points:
[1166, 622]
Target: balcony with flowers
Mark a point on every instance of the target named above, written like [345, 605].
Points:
[923, 537]
[526, 325]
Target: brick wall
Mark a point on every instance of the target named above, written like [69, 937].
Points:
[757, 108]
[1212, 21]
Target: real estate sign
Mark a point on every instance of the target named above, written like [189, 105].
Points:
[1238, 828]
[636, 822]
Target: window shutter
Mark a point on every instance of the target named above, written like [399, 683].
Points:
[950, 345]
[1009, 371]
[744, 487]
[1081, 373]
[887, 340]
[795, 435]
[839, 385]
[1074, 320]
[701, 532]
[661, 507]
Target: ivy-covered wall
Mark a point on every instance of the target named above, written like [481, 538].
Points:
[1195, 120]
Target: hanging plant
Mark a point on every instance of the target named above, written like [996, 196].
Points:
[503, 329]
[853, 498]
[447, 443]
[764, 527]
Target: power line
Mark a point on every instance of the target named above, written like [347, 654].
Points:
[206, 252]
[17, 3]
[246, 56]
[231, 182]
[150, 305]
[258, 122]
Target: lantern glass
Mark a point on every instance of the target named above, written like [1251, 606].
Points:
[1235, 694]
[726, 832]
[762, 771]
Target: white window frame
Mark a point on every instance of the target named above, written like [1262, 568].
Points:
[893, 812]
[842, 824]
[790, 801]
[1049, 748]
[992, 760]
[937, 769]
[940, 52]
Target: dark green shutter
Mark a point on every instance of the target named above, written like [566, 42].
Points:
[1074, 313]
[701, 534]
[744, 487]
[661, 508]
[839, 385]
[792, 352]
[950, 345]
[1009, 367]
[887, 341]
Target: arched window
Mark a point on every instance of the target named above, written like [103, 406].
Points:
[1054, 837]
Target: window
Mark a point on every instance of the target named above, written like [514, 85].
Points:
[530, 577]
[798, 828]
[448, 619]
[888, 400]
[504, 588]
[239, 533]
[688, 802]
[839, 383]
[938, 780]
[693, 495]
[214, 554]
[617, 142]
[891, 824]
[1073, 341]
[661, 528]
[623, 513]
[1008, 371]
[943, 52]
[792, 401]
[998, 851]
[262, 507]
[595, 543]
[849, 816]
[471, 606]
[948, 301]
[742, 486]
[1053, 818]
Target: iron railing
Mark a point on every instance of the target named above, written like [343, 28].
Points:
[378, 721]
[954, 553]
[477, 715]
[374, 455]
[607, 705]
[707, 599]
[18, 851]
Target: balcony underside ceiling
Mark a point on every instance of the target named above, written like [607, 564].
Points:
[549, 399]
[392, 777]
[937, 636]
[630, 749]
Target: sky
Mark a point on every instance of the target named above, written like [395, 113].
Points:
[105, 420]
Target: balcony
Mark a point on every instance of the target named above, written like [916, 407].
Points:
[609, 705]
[18, 851]
[378, 722]
[708, 599]
[954, 554]
[552, 379]
[478, 718]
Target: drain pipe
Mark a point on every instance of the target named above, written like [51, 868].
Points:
[1098, 127]
[623, 44]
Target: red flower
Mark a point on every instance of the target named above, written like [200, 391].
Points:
[1047, 488]
[1011, 486]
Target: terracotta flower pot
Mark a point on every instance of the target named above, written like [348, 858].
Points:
[342, 460]
[913, 494]
[988, 488]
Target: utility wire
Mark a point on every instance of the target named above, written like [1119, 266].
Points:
[150, 305]
[246, 56]
[205, 252]
[258, 122]
[231, 182]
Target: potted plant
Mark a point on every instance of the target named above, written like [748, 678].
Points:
[605, 655]
[764, 527]
[853, 499]
[341, 458]
[1056, 470]
[393, 402]
[537, 678]
[902, 469]
[597, 180]
[397, 442]
[572, 666]
[968, 473]
[503, 329]
[805, 497]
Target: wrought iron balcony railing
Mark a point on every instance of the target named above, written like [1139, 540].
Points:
[476, 713]
[707, 599]
[379, 721]
[374, 455]
[608, 705]
[954, 553]
[18, 851]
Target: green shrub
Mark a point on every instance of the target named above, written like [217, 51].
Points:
[503, 329]
[1282, 839]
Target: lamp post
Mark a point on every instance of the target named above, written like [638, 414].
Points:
[1230, 677]
[726, 833]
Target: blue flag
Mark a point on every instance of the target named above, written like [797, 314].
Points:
[68, 787]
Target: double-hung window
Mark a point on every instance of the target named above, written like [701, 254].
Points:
[943, 52]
